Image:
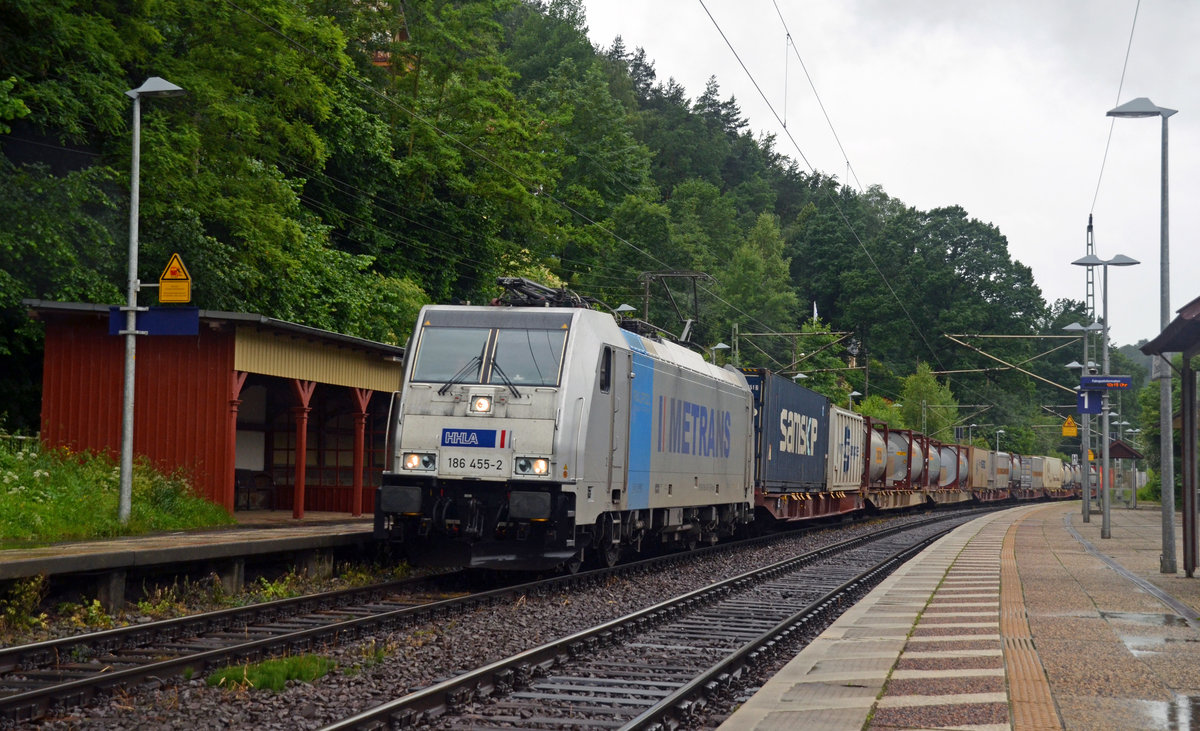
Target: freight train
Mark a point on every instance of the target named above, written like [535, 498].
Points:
[536, 437]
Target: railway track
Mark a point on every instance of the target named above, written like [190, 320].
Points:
[39, 678]
[657, 668]
[45, 679]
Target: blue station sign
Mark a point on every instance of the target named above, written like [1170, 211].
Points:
[1105, 383]
[1090, 402]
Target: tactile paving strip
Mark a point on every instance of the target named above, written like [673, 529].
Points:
[1028, 688]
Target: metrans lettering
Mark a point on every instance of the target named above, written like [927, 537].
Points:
[688, 428]
[797, 432]
[474, 438]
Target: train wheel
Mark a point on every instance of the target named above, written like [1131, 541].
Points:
[573, 564]
[609, 555]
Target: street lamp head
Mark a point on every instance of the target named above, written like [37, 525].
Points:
[1075, 365]
[720, 346]
[155, 86]
[855, 393]
[623, 308]
[1091, 260]
[1074, 327]
[1140, 107]
[799, 377]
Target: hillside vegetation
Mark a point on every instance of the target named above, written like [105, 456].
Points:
[339, 163]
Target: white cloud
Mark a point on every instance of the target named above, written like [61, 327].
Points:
[996, 106]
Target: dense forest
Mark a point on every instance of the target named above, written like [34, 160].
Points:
[338, 163]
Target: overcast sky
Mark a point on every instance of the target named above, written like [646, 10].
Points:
[995, 105]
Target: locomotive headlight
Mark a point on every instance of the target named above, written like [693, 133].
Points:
[532, 466]
[481, 404]
[419, 461]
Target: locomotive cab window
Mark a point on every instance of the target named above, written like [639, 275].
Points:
[450, 353]
[606, 370]
[497, 356]
[527, 357]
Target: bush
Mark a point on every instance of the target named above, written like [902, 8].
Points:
[57, 495]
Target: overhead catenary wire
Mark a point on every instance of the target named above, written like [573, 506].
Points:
[813, 86]
[1112, 122]
[475, 152]
[832, 200]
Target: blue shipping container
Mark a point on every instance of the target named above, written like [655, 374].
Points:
[791, 433]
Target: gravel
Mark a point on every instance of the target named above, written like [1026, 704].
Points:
[387, 666]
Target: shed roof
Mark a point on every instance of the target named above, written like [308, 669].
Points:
[273, 347]
[1118, 449]
[1182, 335]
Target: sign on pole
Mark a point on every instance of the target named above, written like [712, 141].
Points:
[1070, 428]
[175, 284]
[1105, 383]
[1090, 402]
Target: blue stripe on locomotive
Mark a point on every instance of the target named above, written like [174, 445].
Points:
[641, 425]
[791, 425]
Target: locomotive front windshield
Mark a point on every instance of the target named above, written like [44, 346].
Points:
[500, 356]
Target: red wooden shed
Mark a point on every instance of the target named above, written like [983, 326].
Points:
[232, 405]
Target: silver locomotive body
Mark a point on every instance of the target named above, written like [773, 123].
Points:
[527, 438]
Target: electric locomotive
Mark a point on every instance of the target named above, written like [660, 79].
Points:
[536, 437]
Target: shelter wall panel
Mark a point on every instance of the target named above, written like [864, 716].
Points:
[182, 406]
[82, 382]
[289, 356]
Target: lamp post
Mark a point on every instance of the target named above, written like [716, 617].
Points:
[1085, 442]
[712, 352]
[971, 433]
[1138, 108]
[153, 87]
[852, 395]
[1120, 260]
[996, 461]
[1133, 486]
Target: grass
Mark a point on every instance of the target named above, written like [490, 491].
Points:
[56, 495]
[272, 674]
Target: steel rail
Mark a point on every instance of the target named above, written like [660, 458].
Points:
[503, 675]
[33, 704]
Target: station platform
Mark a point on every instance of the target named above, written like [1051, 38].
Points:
[1022, 619]
[105, 566]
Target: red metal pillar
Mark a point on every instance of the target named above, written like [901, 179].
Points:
[303, 391]
[237, 380]
[362, 397]
[1187, 388]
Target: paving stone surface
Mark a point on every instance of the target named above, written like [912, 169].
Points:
[1018, 626]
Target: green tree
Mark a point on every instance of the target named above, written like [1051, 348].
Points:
[928, 406]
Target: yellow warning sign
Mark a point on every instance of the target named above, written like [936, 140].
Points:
[1070, 428]
[175, 284]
